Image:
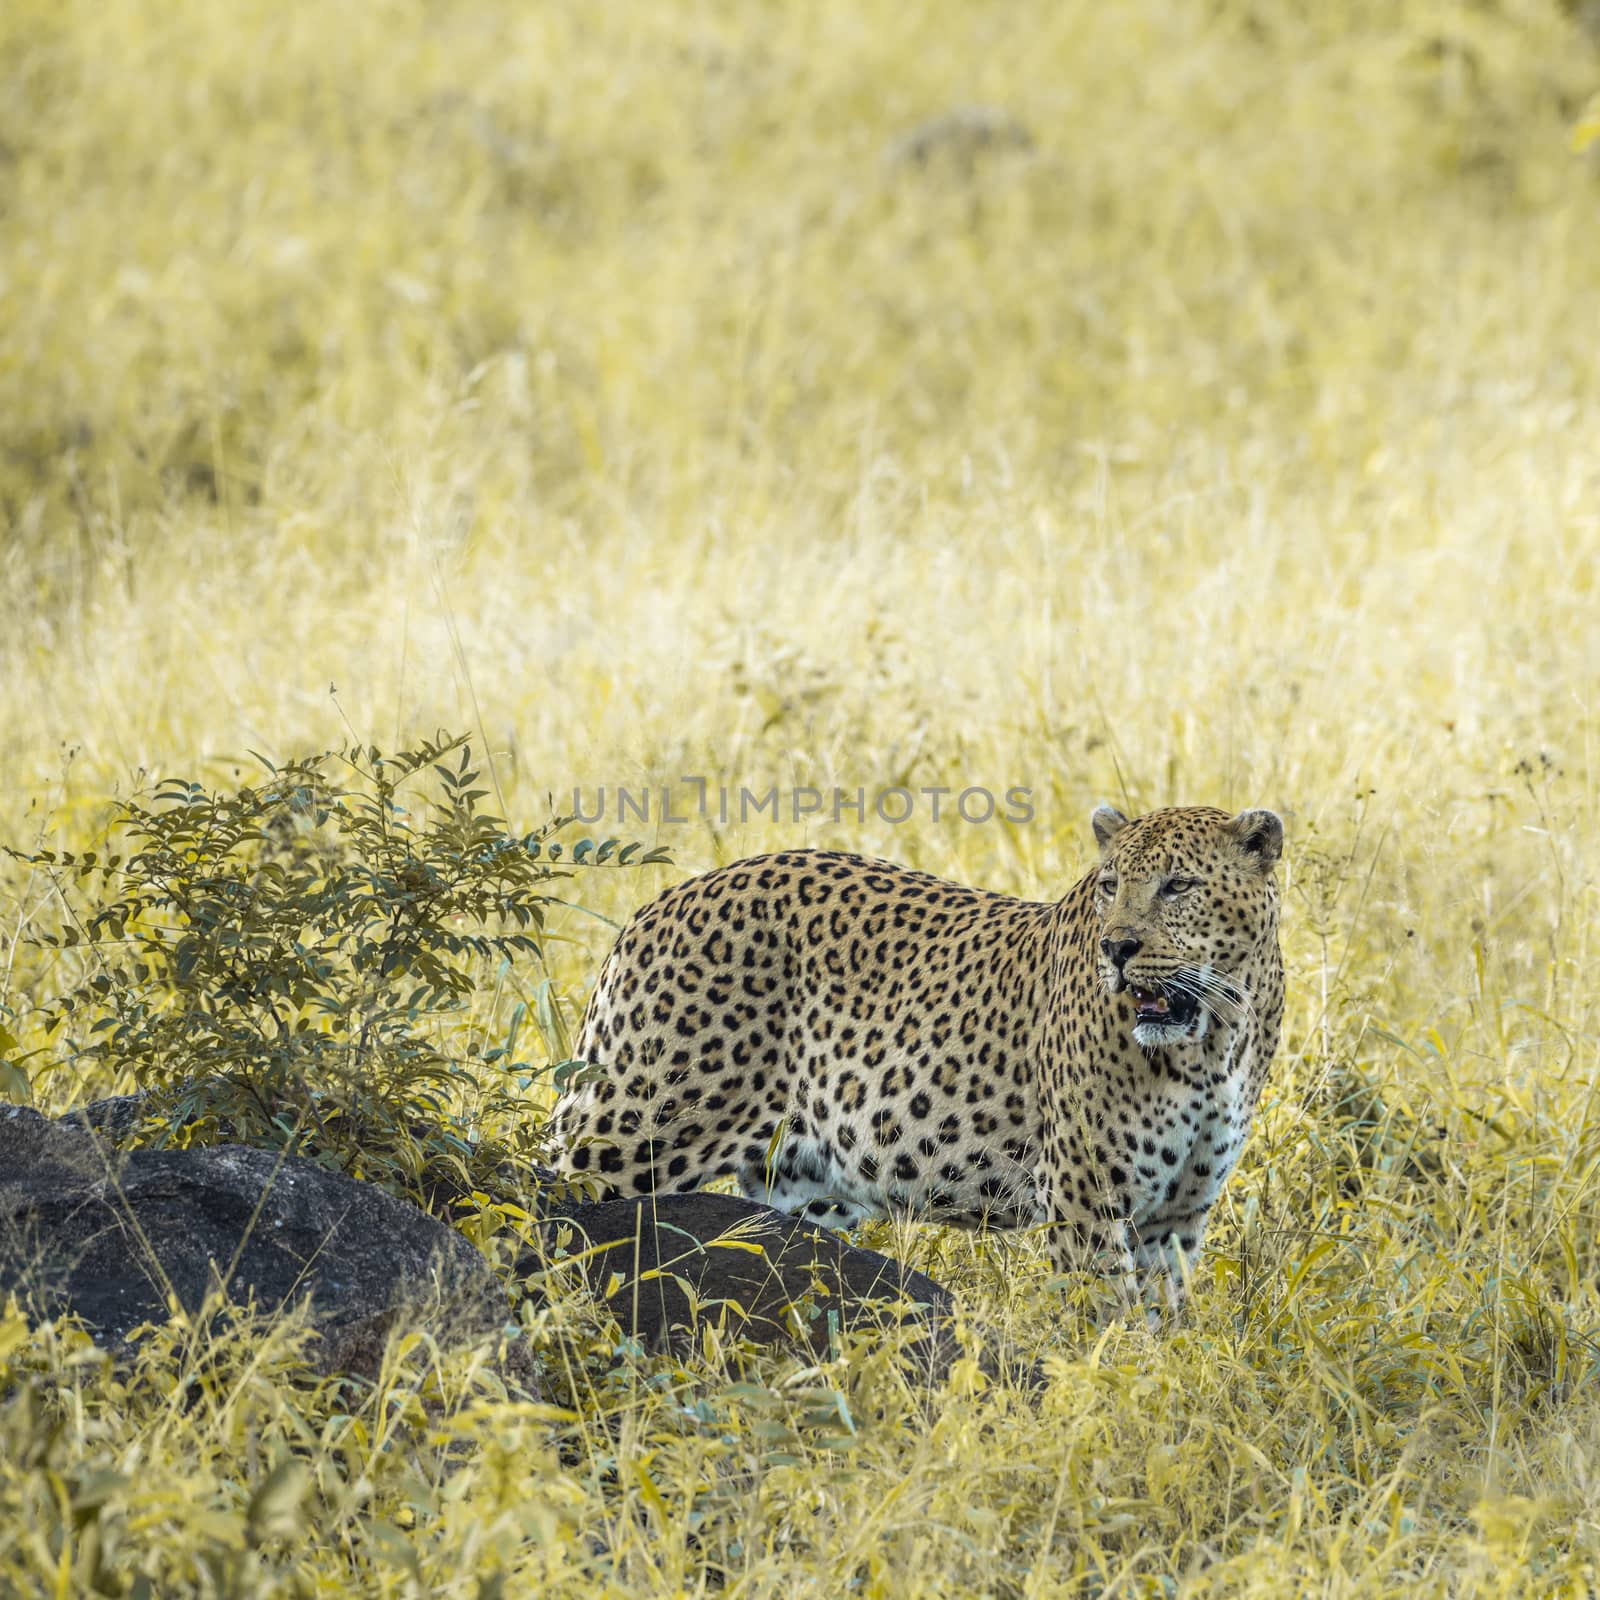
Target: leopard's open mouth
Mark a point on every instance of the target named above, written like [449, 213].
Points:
[1161, 1008]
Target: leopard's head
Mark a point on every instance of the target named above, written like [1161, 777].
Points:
[1186, 899]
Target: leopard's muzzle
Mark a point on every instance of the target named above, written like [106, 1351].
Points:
[1163, 1007]
[1164, 1010]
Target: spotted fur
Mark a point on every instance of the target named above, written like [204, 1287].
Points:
[851, 1038]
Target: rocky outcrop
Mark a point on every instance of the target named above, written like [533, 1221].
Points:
[961, 139]
[110, 1235]
[105, 1233]
[669, 1265]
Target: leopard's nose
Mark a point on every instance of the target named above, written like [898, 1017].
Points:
[1120, 951]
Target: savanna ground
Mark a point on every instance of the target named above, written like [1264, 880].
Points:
[631, 386]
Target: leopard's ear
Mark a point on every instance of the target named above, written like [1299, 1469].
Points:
[1107, 823]
[1259, 834]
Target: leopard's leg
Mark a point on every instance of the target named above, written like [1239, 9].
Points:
[1099, 1248]
[637, 1138]
[803, 1177]
[1165, 1254]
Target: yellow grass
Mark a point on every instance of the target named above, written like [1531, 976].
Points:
[616, 381]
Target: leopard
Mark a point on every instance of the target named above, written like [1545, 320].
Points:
[849, 1039]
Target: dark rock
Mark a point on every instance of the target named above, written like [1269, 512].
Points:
[961, 139]
[797, 1286]
[107, 1235]
[754, 1272]
[114, 1118]
[439, 1187]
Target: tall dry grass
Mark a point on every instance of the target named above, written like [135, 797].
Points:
[667, 391]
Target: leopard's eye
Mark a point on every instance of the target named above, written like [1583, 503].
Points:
[1176, 888]
[1108, 884]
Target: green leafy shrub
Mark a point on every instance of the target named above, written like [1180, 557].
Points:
[283, 964]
